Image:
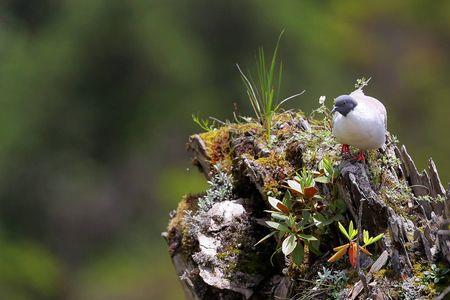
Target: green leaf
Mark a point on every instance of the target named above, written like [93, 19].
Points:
[373, 239]
[295, 185]
[279, 216]
[307, 237]
[298, 254]
[321, 165]
[344, 232]
[351, 230]
[365, 236]
[378, 237]
[317, 221]
[265, 238]
[278, 226]
[306, 215]
[274, 202]
[289, 244]
[314, 247]
[287, 200]
[322, 179]
[281, 234]
[320, 220]
[291, 222]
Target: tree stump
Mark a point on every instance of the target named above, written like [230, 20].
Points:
[212, 236]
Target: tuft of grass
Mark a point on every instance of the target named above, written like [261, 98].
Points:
[263, 93]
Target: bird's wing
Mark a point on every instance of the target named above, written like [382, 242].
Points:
[372, 103]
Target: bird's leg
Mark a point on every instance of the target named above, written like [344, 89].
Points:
[345, 150]
[361, 156]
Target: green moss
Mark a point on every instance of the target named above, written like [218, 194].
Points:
[217, 141]
[317, 143]
[397, 195]
[287, 116]
[418, 270]
[430, 290]
[236, 260]
[187, 203]
[376, 168]
[252, 264]
[217, 144]
[229, 257]
[254, 127]
[230, 252]
[279, 169]
[385, 273]
[394, 191]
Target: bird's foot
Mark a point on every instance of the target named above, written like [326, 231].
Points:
[361, 157]
[345, 150]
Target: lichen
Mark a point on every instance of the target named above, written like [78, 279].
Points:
[187, 203]
[221, 188]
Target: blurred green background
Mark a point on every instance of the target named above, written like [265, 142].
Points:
[96, 101]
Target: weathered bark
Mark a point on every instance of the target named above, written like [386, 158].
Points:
[421, 233]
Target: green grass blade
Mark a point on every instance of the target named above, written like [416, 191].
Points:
[251, 94]
[280, 71]
[287, 99]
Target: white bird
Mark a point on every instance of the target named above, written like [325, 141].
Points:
[359, 121]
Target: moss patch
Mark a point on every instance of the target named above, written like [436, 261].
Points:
[277, 168]
[217, 144]
[188, 202]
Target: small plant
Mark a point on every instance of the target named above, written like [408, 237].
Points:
[411, 288]
[335, 281]
[204, 124]
[393, 140]
[304, 185]
[293, 230]
[328, 283]
[302, 214]
[435, 274]
[327, 172]
[362, 82]
[264, 93]
[221, 189]
[352, 247]
[322, 109]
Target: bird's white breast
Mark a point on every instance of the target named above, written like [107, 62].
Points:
[364, 127]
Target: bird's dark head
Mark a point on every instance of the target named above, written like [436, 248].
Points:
[344, 104]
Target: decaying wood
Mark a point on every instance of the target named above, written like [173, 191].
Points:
[201, 159]
[429, 230]
[376, 266]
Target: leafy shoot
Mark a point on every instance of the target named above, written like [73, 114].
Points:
[362, 82]
[204, 124]
[351, 248]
